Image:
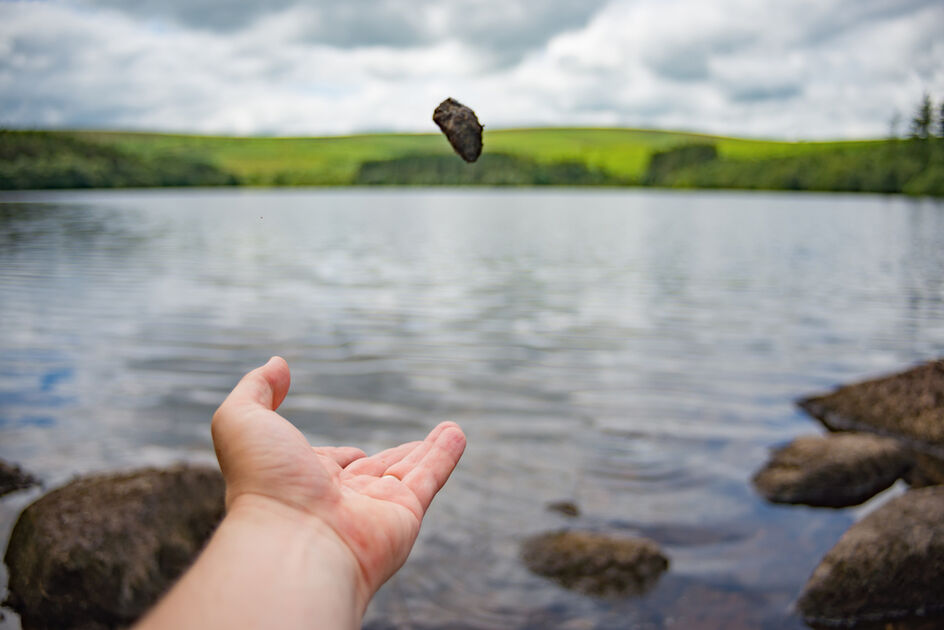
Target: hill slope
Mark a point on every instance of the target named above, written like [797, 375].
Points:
[582, 156]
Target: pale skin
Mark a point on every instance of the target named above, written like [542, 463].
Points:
[310, 533]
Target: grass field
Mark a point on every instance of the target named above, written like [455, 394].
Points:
[523, 157]
[623, 153]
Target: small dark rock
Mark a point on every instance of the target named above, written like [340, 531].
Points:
[888, 566]
[835, 470]
[595, 564]
[101, 550]
[566, 508]
[908, 405]
[461, 127]
[13, 478]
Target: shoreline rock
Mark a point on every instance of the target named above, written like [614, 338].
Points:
[889, 566]
[100, 550]
[907, 405]
[927, 470]
[13, 478]
[836, 470]
[595, 564]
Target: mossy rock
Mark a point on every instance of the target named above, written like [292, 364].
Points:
[99, 551]
[907, 405]
[836, 470]
[596, 564]
[889, 566]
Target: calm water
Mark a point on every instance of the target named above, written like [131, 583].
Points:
[637, 352]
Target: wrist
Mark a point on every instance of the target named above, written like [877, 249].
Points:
[317, 549]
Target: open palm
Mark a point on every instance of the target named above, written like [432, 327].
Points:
[374, 505]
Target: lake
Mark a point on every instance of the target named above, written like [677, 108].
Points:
[637, 352]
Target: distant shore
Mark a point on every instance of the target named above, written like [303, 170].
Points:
[512, 157]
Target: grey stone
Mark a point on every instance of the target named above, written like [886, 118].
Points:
[835, 470]
[461, 127]
[888, 566]
[99, 551]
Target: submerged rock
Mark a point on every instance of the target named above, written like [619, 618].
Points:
[461, 127]
[909, 405]
[565, 508]
[889, 565]
[13, 478]
[100, 550]
[834, 470]
[595, 564]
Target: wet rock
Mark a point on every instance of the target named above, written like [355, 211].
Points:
[927, 470]
[834, 470]
[13, 478]
[100, 550]
[461, 127]
[565, 508]
[888, 566]
[909, 405]
[595, 564]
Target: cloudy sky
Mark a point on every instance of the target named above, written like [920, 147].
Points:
[774, 68]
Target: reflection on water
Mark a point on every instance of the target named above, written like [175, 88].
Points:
[634, 352]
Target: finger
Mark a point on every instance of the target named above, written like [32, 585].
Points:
[404, 466]
[377, 464]
[265, 386]
[431, 473]
[341, 455]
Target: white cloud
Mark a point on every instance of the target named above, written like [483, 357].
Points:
[807, 69]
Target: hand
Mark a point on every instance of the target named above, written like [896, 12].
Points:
[373, 506]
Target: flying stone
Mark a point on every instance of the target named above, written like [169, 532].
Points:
[461, 127]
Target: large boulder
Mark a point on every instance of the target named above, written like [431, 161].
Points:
[99, 551]
[595, 564]
[888, 566]
[908, 405]
[834, 470]
[13, 478]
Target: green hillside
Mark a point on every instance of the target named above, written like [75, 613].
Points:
[563, 156]
[623, 153]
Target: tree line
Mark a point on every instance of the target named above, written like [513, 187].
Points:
[913, 165]
[928, 120]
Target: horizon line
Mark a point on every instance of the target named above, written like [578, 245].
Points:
[363, 134]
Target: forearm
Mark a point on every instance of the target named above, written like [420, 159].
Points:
[266, 562]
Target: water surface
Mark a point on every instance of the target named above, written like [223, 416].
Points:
[636, 352]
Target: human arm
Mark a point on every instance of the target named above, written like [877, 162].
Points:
[310, 534]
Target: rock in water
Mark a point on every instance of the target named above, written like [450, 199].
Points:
[13, 478]
[565, 508]
[595, 564]
[908, 405]
[461, 127]
[835, 470]
[889, 565]
[101, 550]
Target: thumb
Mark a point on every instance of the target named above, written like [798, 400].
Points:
[265, 386]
